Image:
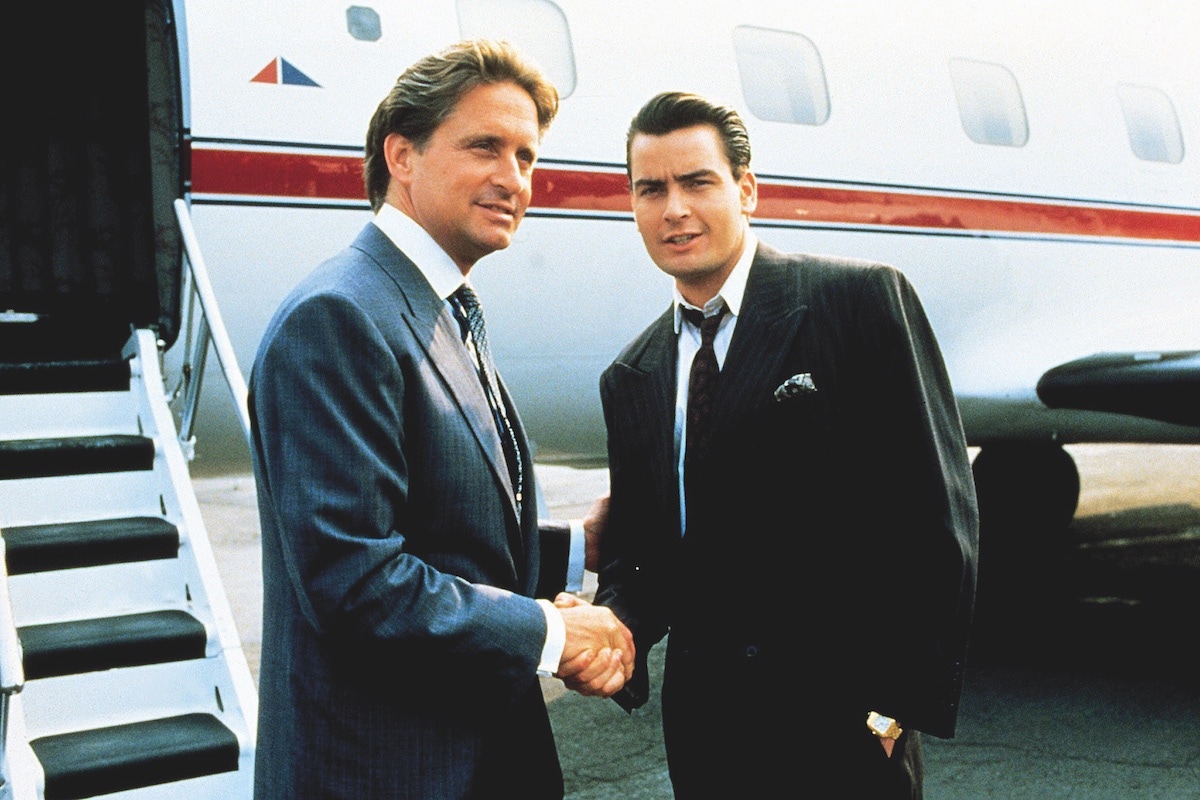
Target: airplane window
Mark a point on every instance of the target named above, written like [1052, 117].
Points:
[1153, 127]
[536, 26]
[989, 103]
[363, 23]
[782, 76]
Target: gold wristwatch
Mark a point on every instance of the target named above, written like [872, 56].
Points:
[883, 727]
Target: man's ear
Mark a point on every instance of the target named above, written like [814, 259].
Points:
[748, 188]
[398, 152]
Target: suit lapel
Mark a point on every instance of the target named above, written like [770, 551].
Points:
[499, 462]
[650, 387]
[437, 331]
[771, 314]
[454, 363]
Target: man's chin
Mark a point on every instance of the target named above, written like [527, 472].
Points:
[677, 266]
[491, 243]
[500, 242]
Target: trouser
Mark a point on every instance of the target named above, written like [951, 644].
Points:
[745, 733]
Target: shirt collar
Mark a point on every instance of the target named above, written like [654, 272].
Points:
[415, 242]
[732, 292]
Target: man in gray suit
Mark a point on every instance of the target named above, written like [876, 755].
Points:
[813, 558]
[401, 545]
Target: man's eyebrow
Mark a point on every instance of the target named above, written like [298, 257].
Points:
[655, 183]
[476, 138]
[648, 183]
[684, 178]
[694, 174]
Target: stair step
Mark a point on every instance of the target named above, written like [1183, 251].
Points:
[71, 545]
[75, 455]
[90, 645]
[69, 376]
[123, 757]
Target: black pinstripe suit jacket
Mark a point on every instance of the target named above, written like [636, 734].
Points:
[824, 507]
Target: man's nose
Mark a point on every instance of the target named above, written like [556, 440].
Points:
[510, 174]
[676, 207]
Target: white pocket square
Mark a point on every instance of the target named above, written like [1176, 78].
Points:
[801, 383]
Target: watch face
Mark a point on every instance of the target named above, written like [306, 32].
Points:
[880, 724]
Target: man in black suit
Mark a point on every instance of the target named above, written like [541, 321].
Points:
[401, 545]
[814, 559]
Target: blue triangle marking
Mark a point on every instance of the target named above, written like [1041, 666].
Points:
[288, 74]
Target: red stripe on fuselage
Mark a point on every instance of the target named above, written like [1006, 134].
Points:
[814, 204]
[339, 178]
[260, 173]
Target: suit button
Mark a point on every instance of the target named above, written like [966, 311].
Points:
[751, 651]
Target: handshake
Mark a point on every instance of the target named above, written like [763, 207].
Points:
[598, 656]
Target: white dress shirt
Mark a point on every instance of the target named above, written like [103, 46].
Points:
[732, 293]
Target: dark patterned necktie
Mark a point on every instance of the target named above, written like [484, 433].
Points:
[702, 385]
[471, 312]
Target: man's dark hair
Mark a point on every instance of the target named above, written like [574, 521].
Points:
[672, 111]
[427, 92]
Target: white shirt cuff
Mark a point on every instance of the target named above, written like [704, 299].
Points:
[556, 639]
[575, 558]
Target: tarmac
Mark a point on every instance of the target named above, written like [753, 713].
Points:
[1082, 686]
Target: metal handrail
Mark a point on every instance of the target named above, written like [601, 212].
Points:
[12, 672]
[210, 327]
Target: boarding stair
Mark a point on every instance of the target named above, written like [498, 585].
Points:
[121, 671]
[134, 681]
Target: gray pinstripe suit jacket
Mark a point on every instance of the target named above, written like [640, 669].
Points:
[400, 640]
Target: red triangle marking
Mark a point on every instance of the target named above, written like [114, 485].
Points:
[269, 73]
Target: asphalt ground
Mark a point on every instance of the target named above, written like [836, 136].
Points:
[1083, 684]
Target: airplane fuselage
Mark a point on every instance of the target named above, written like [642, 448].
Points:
[1027, 255]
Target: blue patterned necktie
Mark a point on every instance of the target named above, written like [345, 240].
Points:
[471, 312]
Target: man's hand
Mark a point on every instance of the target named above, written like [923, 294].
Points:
[598, 656]
[593, 527]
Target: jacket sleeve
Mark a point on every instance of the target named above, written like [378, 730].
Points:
[632, 578]
[926, 495]
[554, 539]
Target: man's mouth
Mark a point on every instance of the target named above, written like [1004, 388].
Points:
[681, 239]
[500, 208]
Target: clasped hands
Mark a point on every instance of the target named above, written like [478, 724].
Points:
[598, 656]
